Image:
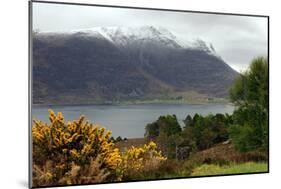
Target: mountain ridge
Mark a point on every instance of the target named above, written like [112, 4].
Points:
[123, 64]
[146, 32]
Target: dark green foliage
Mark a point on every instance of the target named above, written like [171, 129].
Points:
[251, 87]
[250, 95]
[169, 144]
[202, 132]
[166, 131]
[112, 139]
[167, 125]
[151, 130]
[118, 139]
[244, 138]
[188, 120]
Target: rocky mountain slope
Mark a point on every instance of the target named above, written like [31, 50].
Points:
[110, 64]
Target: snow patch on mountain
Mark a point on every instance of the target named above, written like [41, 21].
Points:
[122, 36]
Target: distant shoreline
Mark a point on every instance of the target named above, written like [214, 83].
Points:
[139, 103]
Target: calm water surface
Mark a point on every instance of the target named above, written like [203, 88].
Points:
[128, 120]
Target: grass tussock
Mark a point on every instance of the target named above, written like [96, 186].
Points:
[211, 169]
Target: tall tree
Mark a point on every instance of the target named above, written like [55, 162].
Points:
[250, 95]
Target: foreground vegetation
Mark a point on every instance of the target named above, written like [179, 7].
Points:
[79, 152]
[223, 155]
[249, 167]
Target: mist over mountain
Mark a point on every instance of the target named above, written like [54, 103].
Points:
[110, 64]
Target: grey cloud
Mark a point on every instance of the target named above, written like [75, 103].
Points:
[236, 38]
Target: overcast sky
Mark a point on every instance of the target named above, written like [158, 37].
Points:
[237, 39]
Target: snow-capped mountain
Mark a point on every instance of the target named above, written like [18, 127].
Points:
[121, 63]
[125, 36]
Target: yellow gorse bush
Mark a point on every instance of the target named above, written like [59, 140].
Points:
[79, 152]
[77, 141]
[136, 160]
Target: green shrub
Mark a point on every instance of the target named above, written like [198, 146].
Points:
[205, 131]
[250, 95]
[167, 125]
[244, 137]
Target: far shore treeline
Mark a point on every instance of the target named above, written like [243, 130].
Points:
[79, 152]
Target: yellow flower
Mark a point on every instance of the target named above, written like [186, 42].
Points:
[49, 175]
[74, 153]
